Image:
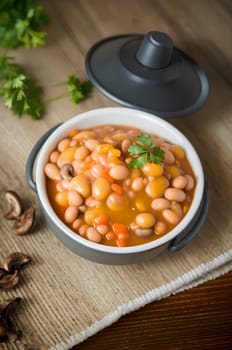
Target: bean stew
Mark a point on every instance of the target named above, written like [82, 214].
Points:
[109, 188]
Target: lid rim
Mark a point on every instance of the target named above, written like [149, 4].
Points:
[195, 106]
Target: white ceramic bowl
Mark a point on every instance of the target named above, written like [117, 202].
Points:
[116, 116]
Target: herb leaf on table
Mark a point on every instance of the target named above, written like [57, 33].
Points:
[19, 23]
[19, 91]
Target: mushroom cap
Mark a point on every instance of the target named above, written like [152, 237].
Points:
[15, 203]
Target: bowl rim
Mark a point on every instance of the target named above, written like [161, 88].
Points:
[141, 116]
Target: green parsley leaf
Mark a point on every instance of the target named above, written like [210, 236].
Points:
[145, 139]
[138, 162]
[136, 149]
[144, 151]
[19, 23]
[19, 91]
[78, 90]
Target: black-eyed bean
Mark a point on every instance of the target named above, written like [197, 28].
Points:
[71, 214]
[160, 227]
[74, 198]
[137, 184]
[76, 164]
[119, 172]
[81, 153]
[102, 229]
[67, 172]
[97, 170]
[151, 178]
[77, 223]
[115, 202]
[54, 156]
[52, 171]
[179, 182]
[65, 184]
[127, 182]
[73, 143]
[103, 159]
[59, 186]
[190, 183]
[176, 207]
[85, 134]
[88, 173]
[174, 194]
[91, 144]
[101, 188]
[82, 230]
[63, 144]
[144, 232]
[82, 208]
[125, 145]
[92, 202]
[145, 220]
[93, 235]
[169, 158]
[160, 204]
[81, 184]
[170, 216]
[133, 226]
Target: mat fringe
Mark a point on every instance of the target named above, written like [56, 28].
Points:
[200, 274]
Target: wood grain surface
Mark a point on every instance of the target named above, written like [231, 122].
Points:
[197, 319]
[200, 318]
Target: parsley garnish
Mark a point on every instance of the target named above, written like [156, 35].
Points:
[19, 23]
[143, 151]
[19, 91]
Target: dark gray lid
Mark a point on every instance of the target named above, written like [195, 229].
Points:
[147, 73]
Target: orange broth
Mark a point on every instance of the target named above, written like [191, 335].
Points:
[128, 212]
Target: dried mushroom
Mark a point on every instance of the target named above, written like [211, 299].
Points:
[24, 223]
[9, 274]
[15, 261]
[15, 203]
[9, 280]
[7, 329]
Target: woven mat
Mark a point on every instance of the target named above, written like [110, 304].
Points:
[66, 298]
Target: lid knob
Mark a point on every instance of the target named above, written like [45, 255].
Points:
[155, 51]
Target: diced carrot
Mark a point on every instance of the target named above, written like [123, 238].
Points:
[121, 242]
[117, 188]
[101, 220]
[123, 235]
[107, 176]
[119, 228]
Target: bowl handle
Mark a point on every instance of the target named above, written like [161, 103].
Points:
[178, 244]
[33, 155]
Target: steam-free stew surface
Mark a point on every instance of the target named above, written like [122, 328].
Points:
[94, 190]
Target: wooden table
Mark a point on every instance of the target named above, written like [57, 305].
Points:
[200, 318]
[197, 319]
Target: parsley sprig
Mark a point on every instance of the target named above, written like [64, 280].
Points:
[19, 91]
[143, 151]
[77, 90]
[19, 23]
